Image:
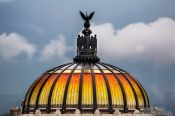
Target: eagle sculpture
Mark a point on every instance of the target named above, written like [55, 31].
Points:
[87, 18]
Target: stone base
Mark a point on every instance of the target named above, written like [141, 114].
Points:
[150, 112]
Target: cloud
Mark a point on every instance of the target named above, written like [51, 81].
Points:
[153, 42]
[56, 48]
[13, 44]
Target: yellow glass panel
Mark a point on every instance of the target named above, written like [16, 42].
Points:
[106, 71]
[77, 71]
[117, 97]
[144, 92]
[87, 71]
[138, 92]
[97, 71]
[28, 94]
[67, 71]
[36, 90]
[87, 93]
[52, 71]
[115, 71]
[102, 96]
[46, 90]
[72, 95]
[128, 91]
[58, 71]
[58, 92]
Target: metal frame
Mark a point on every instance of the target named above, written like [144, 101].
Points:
[80, 87]
[53, 85]
[125, 107]
[135, 95]
[94, 88]
[108, 90]
[66, 88]
[32, 89]
[58, 67]
[140, 86]
[39, 93]
[142, 90]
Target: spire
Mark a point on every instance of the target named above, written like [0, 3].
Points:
[86, 44]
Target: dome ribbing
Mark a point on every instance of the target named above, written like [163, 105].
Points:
[86, 84]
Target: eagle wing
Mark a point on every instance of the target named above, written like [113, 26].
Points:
[91, 15]
[82, 15]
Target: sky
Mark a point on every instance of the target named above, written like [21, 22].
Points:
[135, 35]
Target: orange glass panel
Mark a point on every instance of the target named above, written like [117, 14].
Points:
[72, 95]
[36, 90]
[144, 92]
[28, 94]
[138, 92]
[46, 90]
[87, 93]
[117, 97]
[101, 91]
[128, 91]
[58, 92]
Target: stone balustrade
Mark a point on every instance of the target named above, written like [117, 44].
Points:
[17, 112]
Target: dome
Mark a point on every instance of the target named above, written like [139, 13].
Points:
[86, 84]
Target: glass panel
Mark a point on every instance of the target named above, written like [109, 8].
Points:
[28, 94]
[102, 96]
[64, 67]
[36, 90]
[87, 92]
[58, 92]
[79, 66]
[102, 67]
[94, 67]
[72, 94]
[46, 90]
[128, 91]
[71, 67]
[106, 71]
[77, 71]
[114, 70]
[97, 71]
[117, 97]
[144, 92]
[138, 92]
[58, 71]
[67, 71]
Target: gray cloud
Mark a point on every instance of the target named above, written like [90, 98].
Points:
[13, 44]
[138, 42]
[56, 48]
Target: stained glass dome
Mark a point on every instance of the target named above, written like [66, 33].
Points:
[86, 84]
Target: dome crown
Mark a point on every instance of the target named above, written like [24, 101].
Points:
[86, 44]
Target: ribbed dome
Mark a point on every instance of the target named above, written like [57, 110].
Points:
[85, 86]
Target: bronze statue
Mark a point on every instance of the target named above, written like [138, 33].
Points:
[87, 18]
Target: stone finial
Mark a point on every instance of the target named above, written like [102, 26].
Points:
[16, 111]
[136, 111]
[58, 112]
[117, 113]
[37, 112]
[97, 113]
[77, 112]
